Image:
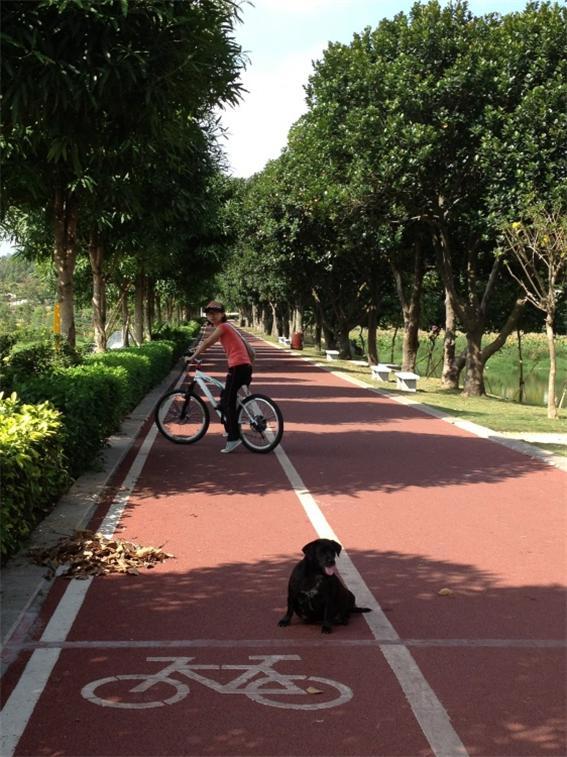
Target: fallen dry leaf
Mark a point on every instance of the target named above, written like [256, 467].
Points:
[445, 592]
[313, 690]
[86, 553]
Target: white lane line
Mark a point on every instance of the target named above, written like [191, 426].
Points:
[428, 710]
[319, 642]
[19, 707]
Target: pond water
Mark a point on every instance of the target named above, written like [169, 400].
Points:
[505, 383]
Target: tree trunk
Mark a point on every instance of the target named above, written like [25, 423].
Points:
[521, 382]
[298, 319]
[158, 308]
[410, 343]
[96, 256]
[411, 309]
[471, 310]
[330, 337]
[373, 357]
[474, 367]
[344, 342]
[275, 331]
[125, 320]
[267, 319]
[318, 330]
[450, 374]
[393, 347]
[139, 308]
[64, 257]
[148, 308]
[283, 320]
[551, 404]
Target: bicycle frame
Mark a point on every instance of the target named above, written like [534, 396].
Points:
[203, 381]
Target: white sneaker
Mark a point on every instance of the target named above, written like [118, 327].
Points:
[231, 446]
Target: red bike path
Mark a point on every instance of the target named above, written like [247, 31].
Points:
[418, 505]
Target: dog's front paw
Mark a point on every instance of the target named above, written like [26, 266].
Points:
[284, 622]
[326, 628]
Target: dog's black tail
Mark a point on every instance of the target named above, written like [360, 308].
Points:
[361, 609]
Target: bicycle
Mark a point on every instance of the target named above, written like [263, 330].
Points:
[183, 417]
[258, 681]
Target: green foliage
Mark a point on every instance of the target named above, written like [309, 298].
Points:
[71, 412]
[143, 366]
[36, 358]
[7, 341]
[433, 127]
[91, 398]
[180, 336]
[33, 467]
[109, 132]
[94, 396]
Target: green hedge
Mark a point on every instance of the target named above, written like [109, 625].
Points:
[19, 361]
[33, 467]
[92, 400]
[76, 408]
[144, 366]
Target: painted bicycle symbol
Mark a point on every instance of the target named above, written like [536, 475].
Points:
[257, 680]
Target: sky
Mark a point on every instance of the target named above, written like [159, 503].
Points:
[282, 38]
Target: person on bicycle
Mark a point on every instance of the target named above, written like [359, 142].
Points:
[240, 356]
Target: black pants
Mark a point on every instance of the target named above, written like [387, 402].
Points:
[237, 376]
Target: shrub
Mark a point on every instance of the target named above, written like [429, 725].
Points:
[181, 336]
[136, 365]
[92, 399]
[33, 467]
[82, 405]
[146, 366]
[7, 341]
[26, 359]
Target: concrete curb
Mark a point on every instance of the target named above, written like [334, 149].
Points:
[474, 428]
[24, 585]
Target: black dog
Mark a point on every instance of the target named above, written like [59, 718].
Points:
[315, 592]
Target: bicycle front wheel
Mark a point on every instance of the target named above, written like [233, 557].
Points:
[182, 418]
[261, 423]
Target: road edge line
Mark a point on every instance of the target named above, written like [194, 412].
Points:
[19, 706]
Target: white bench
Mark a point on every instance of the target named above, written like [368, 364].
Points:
[406, 381]
[284, 340]
[381, 372]
[332, 354]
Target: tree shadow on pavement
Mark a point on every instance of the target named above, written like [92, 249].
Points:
[353, 463]
[503, 699]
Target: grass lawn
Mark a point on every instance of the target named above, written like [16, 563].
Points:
[554, 449]
[491, 412]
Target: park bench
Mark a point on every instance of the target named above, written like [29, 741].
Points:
[332, 354]
[406, 381]
[284, 340]
[381, 372]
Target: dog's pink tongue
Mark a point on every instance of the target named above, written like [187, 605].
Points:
[330, 570]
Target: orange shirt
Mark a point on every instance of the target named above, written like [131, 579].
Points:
[233, 345]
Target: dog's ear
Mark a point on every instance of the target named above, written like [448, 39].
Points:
[337, 547]
[309, 549]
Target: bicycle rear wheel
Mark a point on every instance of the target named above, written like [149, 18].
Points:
[182, 418]
[261, 423]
